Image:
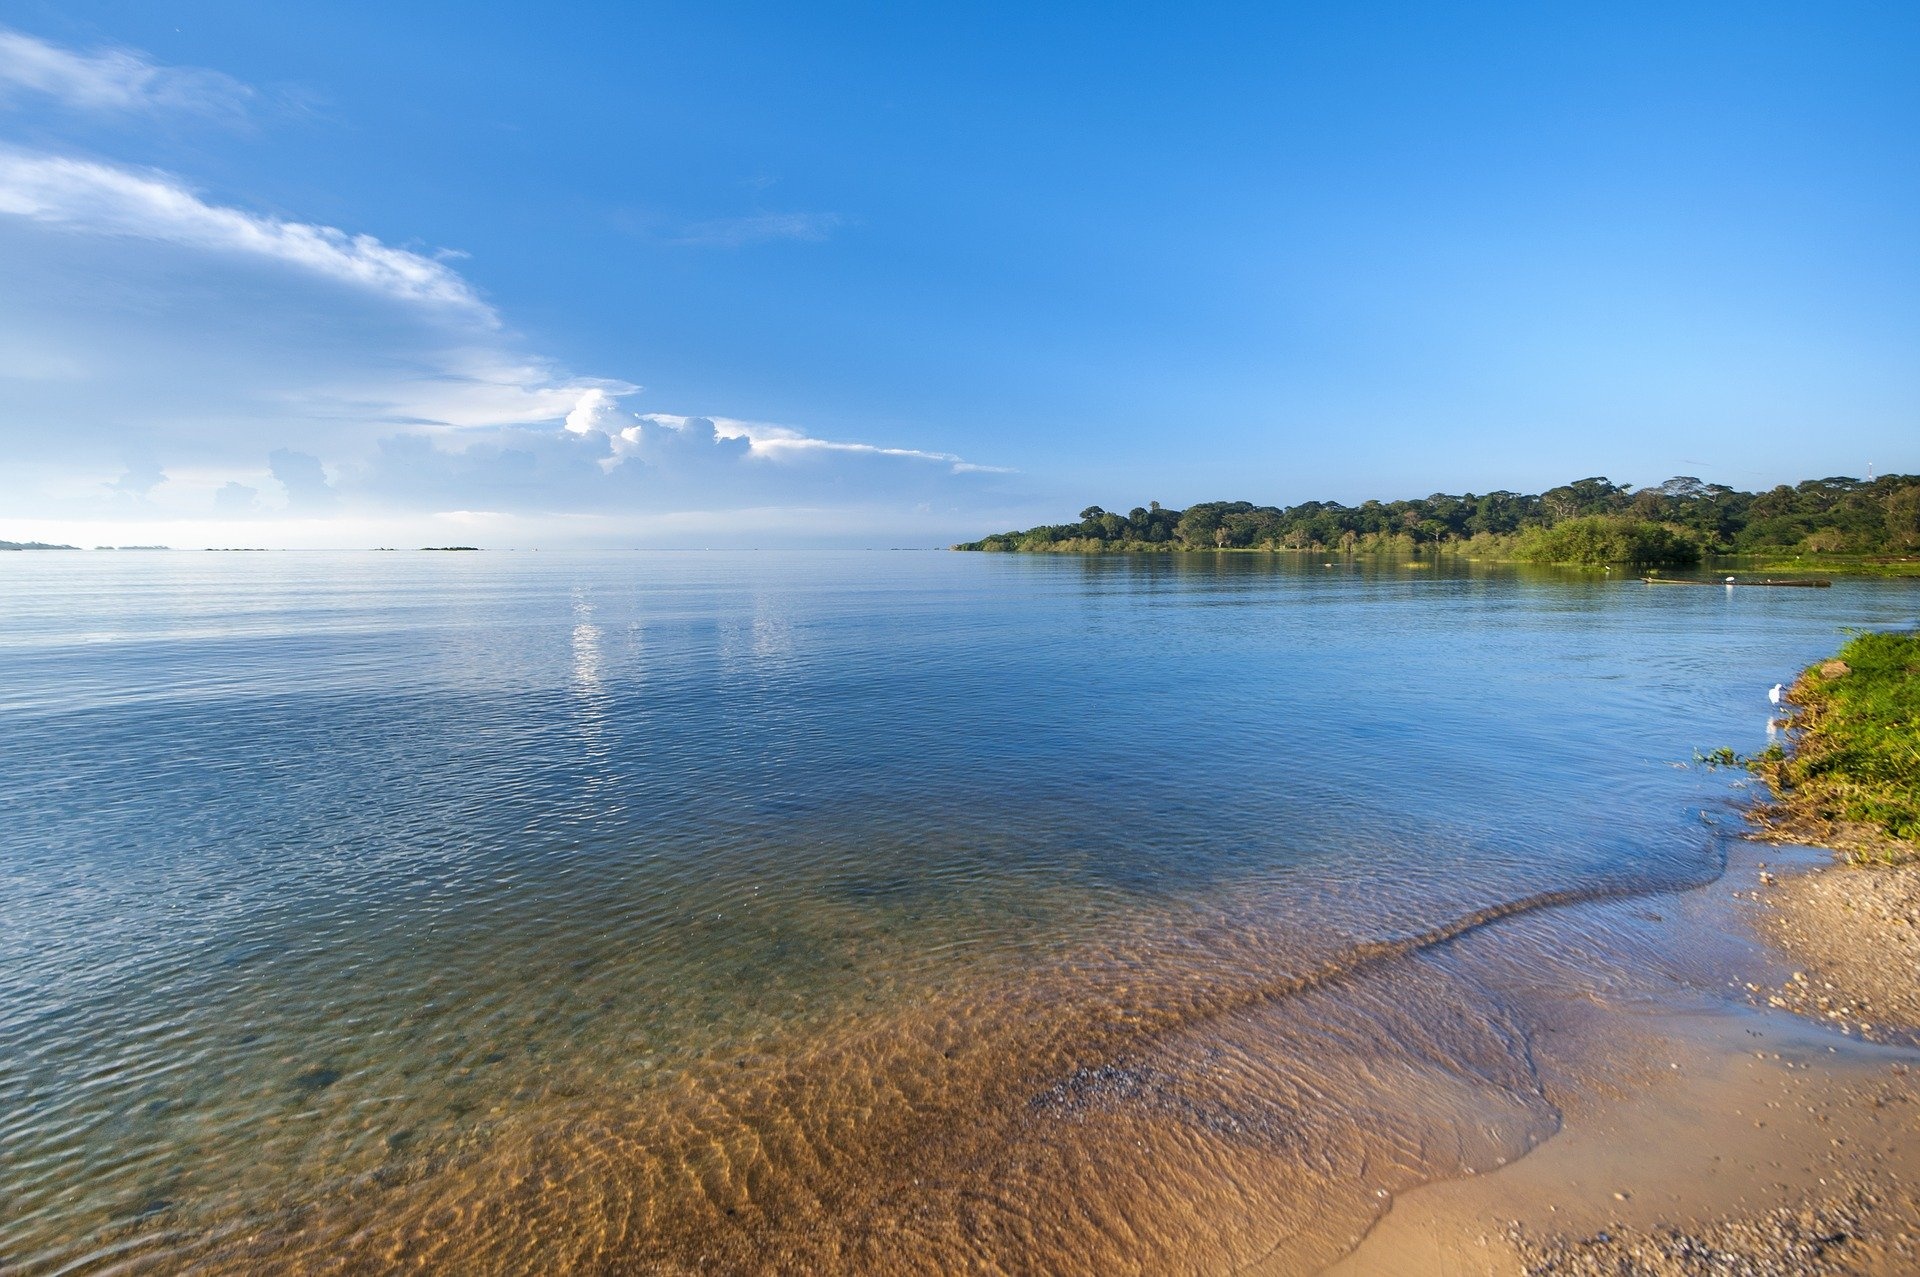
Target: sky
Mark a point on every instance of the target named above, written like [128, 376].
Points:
[719, 274]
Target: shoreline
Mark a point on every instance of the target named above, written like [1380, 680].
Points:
[1799, 1159]
[1783, 1137]
[1874, 567]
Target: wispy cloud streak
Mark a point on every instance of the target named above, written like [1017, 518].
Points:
[86, 196]
[112, 80]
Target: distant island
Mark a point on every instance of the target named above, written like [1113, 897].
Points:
[34, 545]
[1590, 521]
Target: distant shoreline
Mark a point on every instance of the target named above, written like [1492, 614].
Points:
[1589, 522]
[1822, 564]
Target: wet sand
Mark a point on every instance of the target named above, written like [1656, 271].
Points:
[1777, 1137]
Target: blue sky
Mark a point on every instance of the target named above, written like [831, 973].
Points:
[831, 274]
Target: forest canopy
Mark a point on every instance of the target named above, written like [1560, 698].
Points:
[1587, 521]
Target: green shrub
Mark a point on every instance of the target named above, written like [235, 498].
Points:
[1604, 538]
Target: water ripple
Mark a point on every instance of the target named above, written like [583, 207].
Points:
[846, 910]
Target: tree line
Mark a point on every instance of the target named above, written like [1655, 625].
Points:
[1588, 520]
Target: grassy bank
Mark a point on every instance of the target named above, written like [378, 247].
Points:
[1820, 564]
[1851, 777]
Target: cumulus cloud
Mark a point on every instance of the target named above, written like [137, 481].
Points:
[760, 228]
[771, 442]
[609, 458]
[466, 387]
[597, 409]
[101, 199]
[659, 463]
[111, 80]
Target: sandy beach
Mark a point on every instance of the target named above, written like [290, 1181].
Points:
[1780, 1135]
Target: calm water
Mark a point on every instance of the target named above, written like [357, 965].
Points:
[659, 912]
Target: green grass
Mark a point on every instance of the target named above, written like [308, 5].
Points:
[1855, 760]
[1787, 563]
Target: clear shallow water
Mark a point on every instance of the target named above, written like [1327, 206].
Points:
[874, 911]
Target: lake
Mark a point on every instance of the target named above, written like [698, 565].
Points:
[811, 911]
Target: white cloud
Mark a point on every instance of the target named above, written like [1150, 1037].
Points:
[85, 196]
[180, 359]
[597, 409]
[771, 442]
[470, 387]
[419, 348]
[760, 228]
[166, 348]
[112, 80]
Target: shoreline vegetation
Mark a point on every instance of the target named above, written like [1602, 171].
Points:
[1850, 776]
[1835, 524]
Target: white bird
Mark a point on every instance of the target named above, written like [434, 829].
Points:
[1729, 580]
[1773, 693]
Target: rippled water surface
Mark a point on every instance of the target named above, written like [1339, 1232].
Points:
[874, 912]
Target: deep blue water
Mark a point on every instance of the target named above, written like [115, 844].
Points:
[323, 875]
